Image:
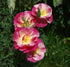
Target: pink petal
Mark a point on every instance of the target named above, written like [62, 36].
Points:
[27, 15]
[41, 22]
[37, 54]
[19, 36]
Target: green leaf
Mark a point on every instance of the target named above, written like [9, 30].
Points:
[54, 3]
[57, 2]
[11, 5]
[38, 13]
[68, 38]
[68, 22]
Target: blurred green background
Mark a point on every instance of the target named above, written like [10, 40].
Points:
[55, 35]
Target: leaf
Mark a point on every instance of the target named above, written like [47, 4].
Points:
[57, 2]
[11, 5]
[38, 13]
[68, 38]
[54, 3]
[68, 22]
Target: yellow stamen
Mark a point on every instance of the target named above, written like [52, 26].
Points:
[26, 40]
[36, 50]
[43, 13]
[26, 23]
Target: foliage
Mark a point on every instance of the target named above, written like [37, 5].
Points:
[55, 36]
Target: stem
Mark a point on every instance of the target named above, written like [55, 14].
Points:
[36, 21]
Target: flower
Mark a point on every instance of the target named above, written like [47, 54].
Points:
[23, 19]
[25, 39]
[37, 54]
[45, 14]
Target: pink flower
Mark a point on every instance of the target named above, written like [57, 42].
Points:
[38, 54]
[25, 39]
[46, 14]
[23, 19]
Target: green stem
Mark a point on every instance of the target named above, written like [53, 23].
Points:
[35, 22]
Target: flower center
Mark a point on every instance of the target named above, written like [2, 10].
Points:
[36, 50]
[43, 13]
[26, 40]
[25, 22]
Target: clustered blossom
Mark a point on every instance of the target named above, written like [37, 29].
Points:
[26, 36]
[23, 19]
[37, 54]
[25, 39]
[46, 14]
